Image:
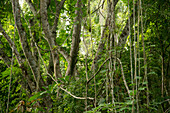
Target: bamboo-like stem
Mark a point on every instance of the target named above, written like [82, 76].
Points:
[111, 75]
[134, 57]
[12, 62]
[162, 89]
[144, 55]
[138, 49]
[107, 74]
[138, 46]
[131, 68]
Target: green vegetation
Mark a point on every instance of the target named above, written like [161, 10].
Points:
[84, 56]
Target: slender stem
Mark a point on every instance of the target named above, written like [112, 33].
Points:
[57, 82]
[134, 55]
[114, 36]
[107, 74]
[131, 68]
[124, 79]
[138, 49]
[138, 43]
[144, 55]
[86, 68]
[162, 74]
[9, 88]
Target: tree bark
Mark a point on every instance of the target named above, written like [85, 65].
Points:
[23, 38]
[50, 37]
[75, 40]
[101, 42]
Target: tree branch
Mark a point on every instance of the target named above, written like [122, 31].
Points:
[98, 70]
[20, 62]
[50, 37]
[23, 38]
[124, 79]
[58, 9]
[57, 82]
[100, 47]
[11, 43]
[75, 40]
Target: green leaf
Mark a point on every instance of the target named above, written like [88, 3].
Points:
[145, 82]
[43, 92]
[96, 19]
[122, 109]
[102, 100]
[137, 77]
[33, 103]
[141, 88]
[67, 78]
[103, 71]
[152, 73]
[34, 96]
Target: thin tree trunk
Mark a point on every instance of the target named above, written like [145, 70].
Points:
[131, 68]
[138, 49]
[75, 40]
[12, 62]
[50, 37]
[144, 55]
[23, 38]
[102, 41]
[111, 8]
[107, 74]
[124, 79]
[162, 89]
[115, 45]
[134, 57]
[86, 65]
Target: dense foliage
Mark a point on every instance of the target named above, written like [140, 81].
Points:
[93, 56]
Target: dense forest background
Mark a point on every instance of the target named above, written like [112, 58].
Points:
[92, 56]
